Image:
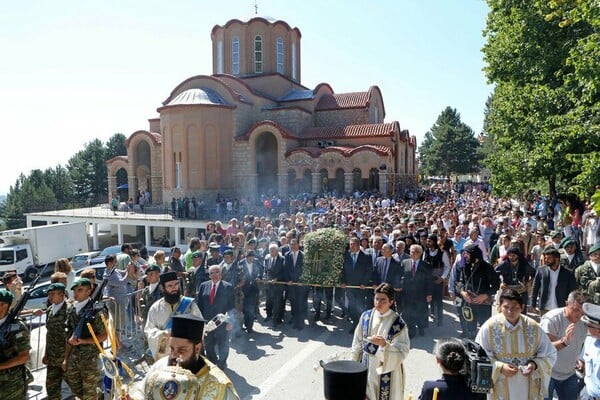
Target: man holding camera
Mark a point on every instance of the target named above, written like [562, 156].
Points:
[521, 353]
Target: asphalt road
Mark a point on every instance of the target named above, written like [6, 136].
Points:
[283, 364]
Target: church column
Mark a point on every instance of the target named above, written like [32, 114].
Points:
[132, 188]
[252, 187]
[348, 182]
[112, 187]
[119, 233]
[383, 182]
[316, 182]
[177, 235]
[95, 238]
[282, 183]
[148, 237]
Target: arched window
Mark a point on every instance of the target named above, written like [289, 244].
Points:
[219, 57]
[280, 55]
[258, 55]
[235, 56]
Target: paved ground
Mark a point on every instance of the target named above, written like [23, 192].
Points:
[273, 364]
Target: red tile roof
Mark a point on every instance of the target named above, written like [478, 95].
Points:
[315, 152]
[350, 131]
[343, 100]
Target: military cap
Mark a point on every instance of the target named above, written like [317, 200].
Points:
[263, 240]
[567, 241]
[6, 296]
[187, 326]
[228, 252]
[252, 241]
[56, 286]
[344, 380]
[168, 277]
[591, 314]
[594, 248]
[80, 282]
[214, 246]
[197, 254]
[555, 234]
[251, 253]
[153, 268]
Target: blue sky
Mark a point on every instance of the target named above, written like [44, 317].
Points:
[73, 71]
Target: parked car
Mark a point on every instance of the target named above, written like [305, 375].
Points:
[98, 269]
[99, 259]
[116, 249]
[38, 297]
[83, 259]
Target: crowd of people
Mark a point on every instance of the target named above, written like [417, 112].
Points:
[535, 259]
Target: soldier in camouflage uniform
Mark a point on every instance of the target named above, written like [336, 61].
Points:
[151, 292]
[588, 275]
[195, 275]
[56, 339]
[232, 272]
[81, 354]
[14, 354]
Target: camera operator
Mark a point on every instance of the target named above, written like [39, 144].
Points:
[451, 356]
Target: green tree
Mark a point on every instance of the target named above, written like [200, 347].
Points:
[449, 147]
[115, 146]
[88, 172]
[542, 119]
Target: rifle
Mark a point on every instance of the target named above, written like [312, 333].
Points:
[94, 305]
[9, 325]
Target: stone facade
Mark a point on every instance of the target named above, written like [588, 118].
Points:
[243, 133]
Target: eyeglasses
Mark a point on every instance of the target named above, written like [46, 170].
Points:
[214, 272]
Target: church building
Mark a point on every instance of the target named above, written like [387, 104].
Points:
[251, 128]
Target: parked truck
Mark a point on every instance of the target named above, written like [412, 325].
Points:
[27, 250]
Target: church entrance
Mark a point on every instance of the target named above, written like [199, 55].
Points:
[266, 164]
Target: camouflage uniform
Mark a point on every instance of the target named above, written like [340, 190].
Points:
[589, 281]
[56, 337]
[147, 299]
[14, 381]
[82, 373]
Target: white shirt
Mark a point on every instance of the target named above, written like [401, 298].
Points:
[80, 304]
[56, 307]
[551, 303]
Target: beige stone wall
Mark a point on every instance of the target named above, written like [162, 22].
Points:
[201, 137]
[294, 120]
[351, 116]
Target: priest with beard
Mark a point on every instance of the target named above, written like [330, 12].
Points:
[171, 375]
[158, 325]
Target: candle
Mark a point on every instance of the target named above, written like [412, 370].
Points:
[435, 393]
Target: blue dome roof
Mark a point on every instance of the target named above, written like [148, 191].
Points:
[198, 96]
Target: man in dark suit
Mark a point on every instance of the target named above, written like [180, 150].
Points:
[552, 283]
[216, 297]
[389, 271]
[274, 263]
[357, 271]
[252, 271]
[417, 291]
[298, 294]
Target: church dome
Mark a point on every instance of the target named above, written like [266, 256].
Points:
[198, 96]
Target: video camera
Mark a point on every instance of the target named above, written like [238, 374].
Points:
[478, 368]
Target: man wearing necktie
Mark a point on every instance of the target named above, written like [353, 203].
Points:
[294, 260]
[216, 297]
[389, 271]
[418, 289]
[357, 271]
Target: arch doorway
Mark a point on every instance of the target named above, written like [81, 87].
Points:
[266, 164]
